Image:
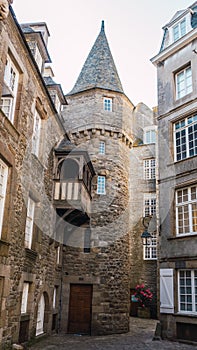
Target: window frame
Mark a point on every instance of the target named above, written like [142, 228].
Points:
[151, 206]
[150, 251]
[102, 147]
[107, 104]
[29, 222]
[3, 188]
[152, 138]
[179, 127]
[149, 169]
[11, 81]
[186, 286]
[181, 31]
[191, 220]
[101, 184]
[188, 88]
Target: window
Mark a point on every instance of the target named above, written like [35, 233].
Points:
[3, 185]
[107, 104]
[36, 134]
[58, 255]
[24, 298]
[183, 81]
[186, 210]
[150, 251]
[6, 106]
[149, 204]
[29, 223]
[102, 147]
[149, 169]
[101, 185]
[150, 136]
[179, 30]
[54, 297]
[185, 138]
[87, 240]
[8, 99]
[187, 293]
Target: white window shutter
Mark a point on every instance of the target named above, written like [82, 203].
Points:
[166, 291]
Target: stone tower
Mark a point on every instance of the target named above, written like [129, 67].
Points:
[98, 119]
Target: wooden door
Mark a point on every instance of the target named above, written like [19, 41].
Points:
[80, 309]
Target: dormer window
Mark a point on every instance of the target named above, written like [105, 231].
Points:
[179, 30]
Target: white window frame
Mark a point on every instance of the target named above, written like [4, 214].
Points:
[36, 133]
[185, 141]
[149, 204]
[6, 105]
[179, 29]
[183, 81]
[102, 147]
[101, 183]
[107, 104]
[11, 79]
[150, 251]
[29, 223]
[149, 169]
[187, 284]
[150, 135]
[3, 187]
[24, 297]
[186, 210]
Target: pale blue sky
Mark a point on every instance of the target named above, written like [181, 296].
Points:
[133, 28]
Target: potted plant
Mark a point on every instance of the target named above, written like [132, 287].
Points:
[144, 297]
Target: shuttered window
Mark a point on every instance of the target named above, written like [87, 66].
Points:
[166, 291]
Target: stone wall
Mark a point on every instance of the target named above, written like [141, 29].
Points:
[27, 175]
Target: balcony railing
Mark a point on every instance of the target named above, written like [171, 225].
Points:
[73, 193]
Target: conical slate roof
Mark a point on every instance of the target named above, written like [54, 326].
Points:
[99, 69]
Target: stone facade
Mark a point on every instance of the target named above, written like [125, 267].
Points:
[27, 175]
[177, 175]
[60, 239]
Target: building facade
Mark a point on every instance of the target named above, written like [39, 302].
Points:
[70, 216]
[177, 143]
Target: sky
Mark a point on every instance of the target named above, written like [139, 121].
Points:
[133, 29]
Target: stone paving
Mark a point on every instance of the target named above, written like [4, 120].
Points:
[139, 338]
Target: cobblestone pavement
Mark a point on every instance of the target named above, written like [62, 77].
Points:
[139, 338]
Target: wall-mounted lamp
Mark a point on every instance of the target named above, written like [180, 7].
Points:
[146, 238]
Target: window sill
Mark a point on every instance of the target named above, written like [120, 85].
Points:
[189, 235]
[184, 314]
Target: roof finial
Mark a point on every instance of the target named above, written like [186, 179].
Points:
[102, 26]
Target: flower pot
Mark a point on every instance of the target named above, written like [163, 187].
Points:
[143, 312]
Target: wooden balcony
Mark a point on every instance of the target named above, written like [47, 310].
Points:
[72, 194]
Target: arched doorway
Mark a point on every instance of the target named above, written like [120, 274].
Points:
[40, 316]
